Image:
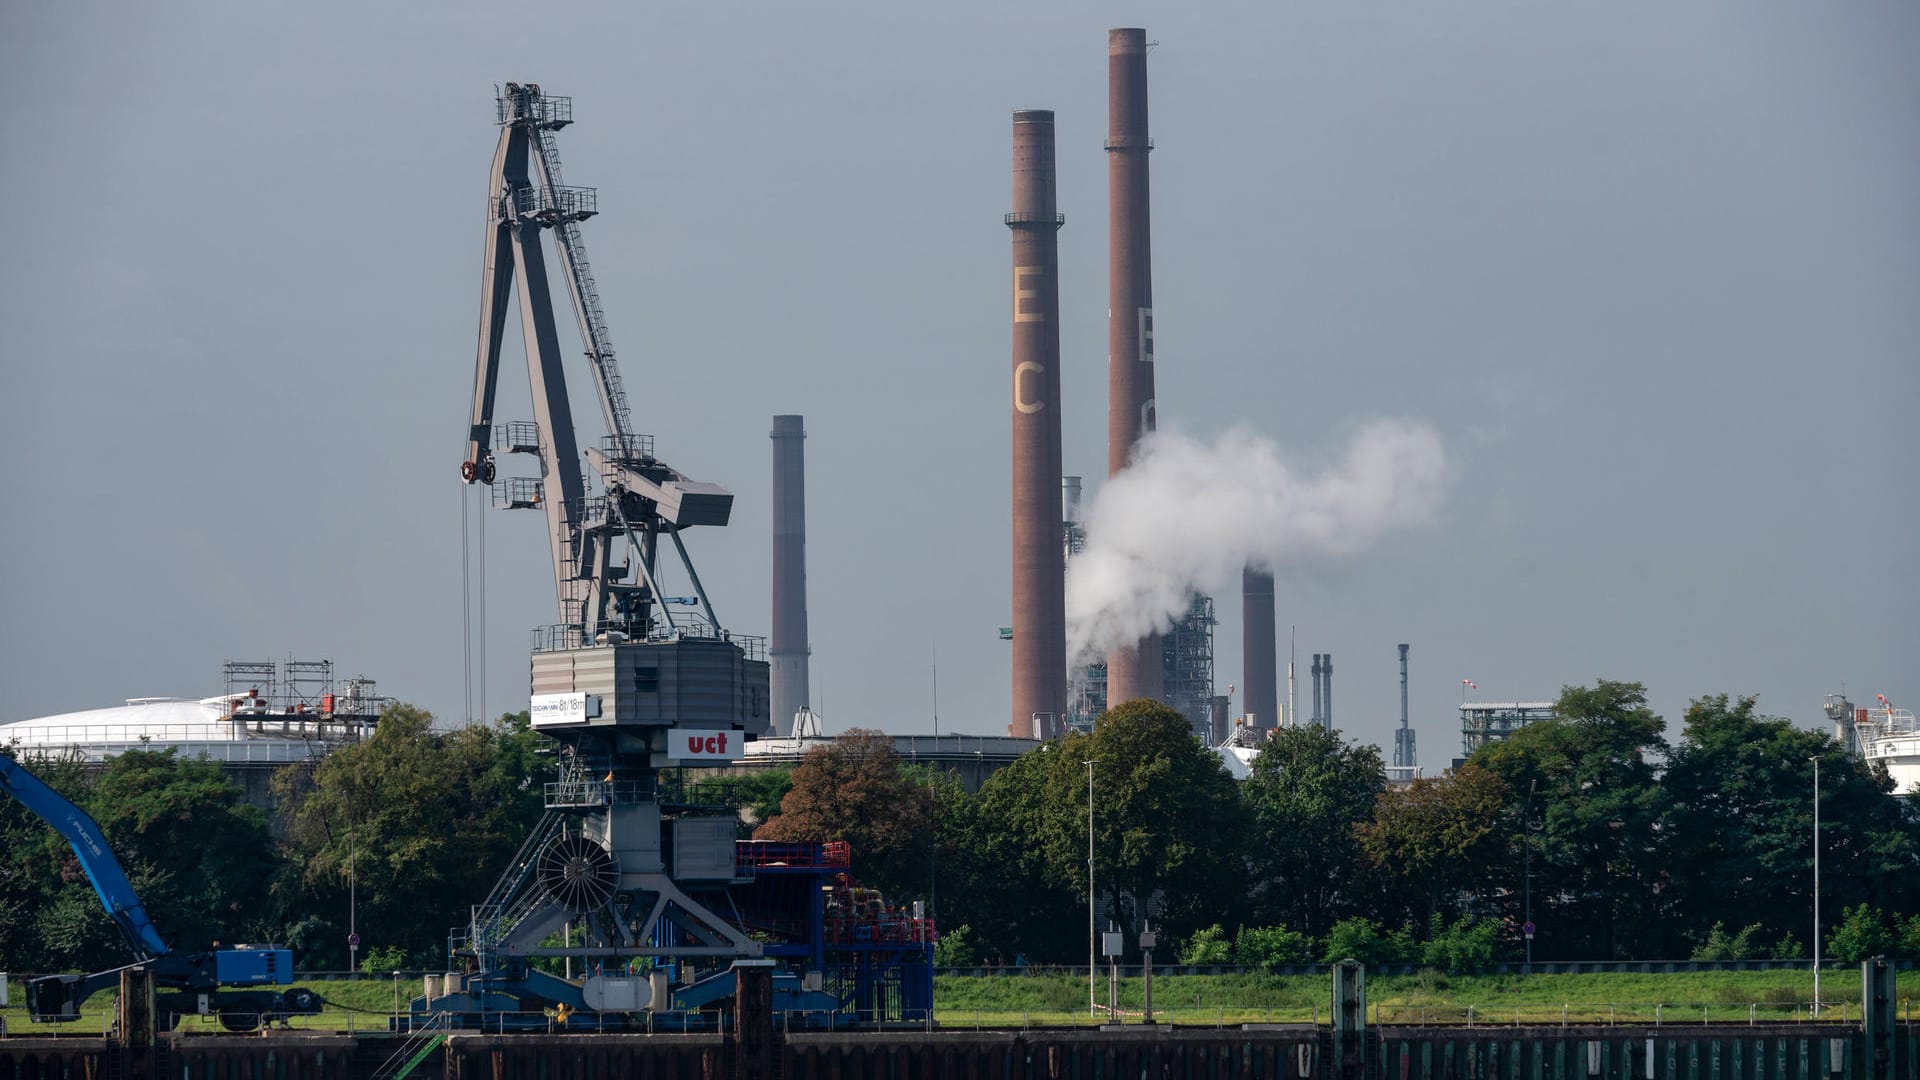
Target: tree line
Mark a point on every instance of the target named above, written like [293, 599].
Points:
[1613, 842]
[1619, 844]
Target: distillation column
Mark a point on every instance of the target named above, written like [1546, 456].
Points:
[1259, 651]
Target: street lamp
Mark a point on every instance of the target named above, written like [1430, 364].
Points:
[1092, 961]
[1526, 840]
[1816, 886]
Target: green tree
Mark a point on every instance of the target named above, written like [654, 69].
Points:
[1165, 819]
[1207, 945]
[1721, 945]
[1438, 839]
[994, 873]
[754, 796]
[37, 872]
[955, 948]
[1307, 792]
[191, 848]
[853, 790]
[1164, 840]
[1861, 933]
[1360, 938]
[421, 821]
[1741, 823]
[1271, 946]
[1599, 867]
[1467, 945]
[180, 826]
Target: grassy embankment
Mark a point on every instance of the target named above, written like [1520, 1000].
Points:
[1723, 996]
[1061, 998]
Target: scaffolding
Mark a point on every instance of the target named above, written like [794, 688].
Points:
[1186, 664]
[1482, 722]
[296, 687]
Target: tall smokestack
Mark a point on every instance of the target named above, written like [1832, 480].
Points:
[1403, 751]
[1326, 691]
[1316, 718]
[1132, 671]
[1039, 576]
[788, 648]
[1259, 652]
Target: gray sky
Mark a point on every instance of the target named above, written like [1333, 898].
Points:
[1653, 270]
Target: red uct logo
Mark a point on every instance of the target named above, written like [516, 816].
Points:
[707, 744]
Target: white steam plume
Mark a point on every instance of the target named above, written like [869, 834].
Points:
[1185, 516]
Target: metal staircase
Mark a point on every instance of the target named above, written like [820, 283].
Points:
[420, 1044]
[511, 899]
[586, 294]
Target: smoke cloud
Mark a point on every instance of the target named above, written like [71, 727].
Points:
[1185, 516]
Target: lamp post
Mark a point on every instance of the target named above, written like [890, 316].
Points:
[1526, 840]
[353, 906]
[1816, 887]
[1092, 959]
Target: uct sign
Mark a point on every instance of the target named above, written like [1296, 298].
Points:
[687, 744]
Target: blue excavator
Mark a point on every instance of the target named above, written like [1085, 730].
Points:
[238, 985]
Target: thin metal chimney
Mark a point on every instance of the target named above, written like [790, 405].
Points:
[1039, 573]
[788, 648]
[1326, 691]
[1133, 671]
[1403, 752]
[1259, 652]
[1316, 718]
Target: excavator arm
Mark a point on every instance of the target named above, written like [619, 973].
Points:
[201, 982]
[89, 845]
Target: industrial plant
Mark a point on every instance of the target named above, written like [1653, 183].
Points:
[633, 907]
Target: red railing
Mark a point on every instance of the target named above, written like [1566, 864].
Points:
[901, 930]
[833, 855]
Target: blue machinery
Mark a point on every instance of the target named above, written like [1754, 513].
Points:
[652, 902]
[841, 957]
[199, 983]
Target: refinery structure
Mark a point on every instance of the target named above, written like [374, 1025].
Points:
[651, 897]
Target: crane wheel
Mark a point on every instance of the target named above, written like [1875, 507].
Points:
[468, 472]
[486, 471]
[240, 1020]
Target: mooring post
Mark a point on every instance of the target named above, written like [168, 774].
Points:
[1877, 1018]
[1349, 1019]
[753, 1020]
[135, 1022]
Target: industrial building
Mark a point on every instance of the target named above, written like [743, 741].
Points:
[1482, 722]
[270, 715]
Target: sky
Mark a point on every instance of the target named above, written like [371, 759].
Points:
[1651, 272]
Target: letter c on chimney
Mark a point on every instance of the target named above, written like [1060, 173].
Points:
[1026, 367]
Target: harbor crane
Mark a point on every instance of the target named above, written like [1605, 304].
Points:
[614, 878]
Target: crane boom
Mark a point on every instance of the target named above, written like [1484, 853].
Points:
[89, 845]
[605, 521]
